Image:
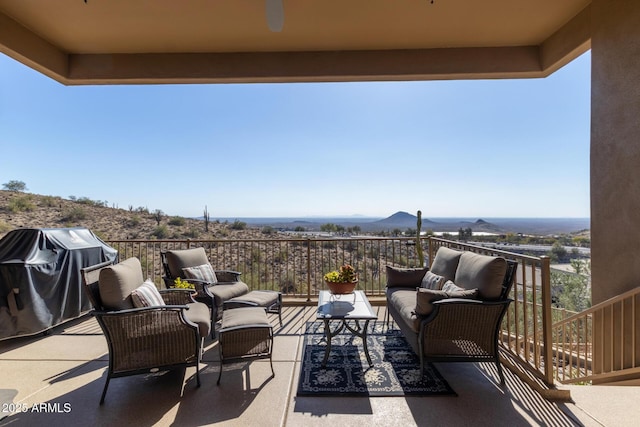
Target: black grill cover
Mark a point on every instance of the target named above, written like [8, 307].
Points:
[40, 282]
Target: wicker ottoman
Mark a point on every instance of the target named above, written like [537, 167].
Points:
[270, 301]
[245, 333]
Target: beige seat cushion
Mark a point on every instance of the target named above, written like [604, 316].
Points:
[483, 272]
[116, 283]
[404, 301]
[225, 291]
[179, 259]
[198, 313]
[244, 317]
[259, 298]
[445, 263]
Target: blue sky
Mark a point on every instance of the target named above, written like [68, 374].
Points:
[474, 149]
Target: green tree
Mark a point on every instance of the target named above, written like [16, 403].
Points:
[558, 252]
[570, 291]
[465, 234]
[581, 266]
[328, 228]
[16, 186]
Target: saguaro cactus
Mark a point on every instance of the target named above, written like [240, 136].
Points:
[206, 219]
[418, 242]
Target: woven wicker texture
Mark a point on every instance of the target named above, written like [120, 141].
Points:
[246, 342]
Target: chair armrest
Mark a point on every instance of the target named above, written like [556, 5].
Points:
[448, 301]
[201, 287]
[145, 321]
[406, 288]
[129, 311]
[228, 275]
[464, 316]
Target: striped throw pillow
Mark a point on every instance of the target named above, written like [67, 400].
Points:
[202, 272]
[147, 295]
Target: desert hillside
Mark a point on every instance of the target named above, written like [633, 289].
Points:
[25, 210]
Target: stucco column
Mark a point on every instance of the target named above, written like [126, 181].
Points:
[615, 177]
[615, 147]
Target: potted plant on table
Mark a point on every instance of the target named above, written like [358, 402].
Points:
[183, 284]
[342, 281]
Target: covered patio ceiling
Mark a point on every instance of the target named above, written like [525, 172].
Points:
[225, 41]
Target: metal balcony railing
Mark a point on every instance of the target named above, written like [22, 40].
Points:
[295, 266]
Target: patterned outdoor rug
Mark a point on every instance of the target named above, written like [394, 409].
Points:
[395, 371]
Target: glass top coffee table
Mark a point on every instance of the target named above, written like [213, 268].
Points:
[350, 307]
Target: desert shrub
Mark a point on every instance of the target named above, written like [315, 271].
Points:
[192, 233]
[134, 221]
[142, 209]
[49, 201]
[268, 230]
[72, 214]
[100, 234]
[256, 255]
[177, 220]
[238, 225]
[281, 256]
[89, 202]
[160, 232]
[288, 286]
[4, 227]
[21, 204]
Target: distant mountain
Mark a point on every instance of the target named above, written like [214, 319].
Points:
[399, 219]
[404, 220]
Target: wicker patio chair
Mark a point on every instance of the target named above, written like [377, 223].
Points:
[226, 284]
[148, 339]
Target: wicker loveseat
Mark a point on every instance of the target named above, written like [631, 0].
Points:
[452, 312]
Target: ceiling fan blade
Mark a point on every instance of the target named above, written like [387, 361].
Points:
[275, 15]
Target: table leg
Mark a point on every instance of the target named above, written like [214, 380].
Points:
[364, 342]
[329, 334]
[362, 333]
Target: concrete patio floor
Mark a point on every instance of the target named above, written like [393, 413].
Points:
[66, 370]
